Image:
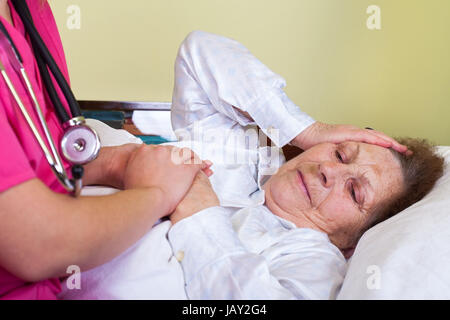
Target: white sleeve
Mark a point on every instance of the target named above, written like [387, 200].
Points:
[216, 265]
[214, 73]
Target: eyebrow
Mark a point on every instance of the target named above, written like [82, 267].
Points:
[367, 182]
[355, 153]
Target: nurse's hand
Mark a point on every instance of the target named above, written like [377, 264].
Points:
[320, 132]
[108, 168]
[200, 196]
[169, 169]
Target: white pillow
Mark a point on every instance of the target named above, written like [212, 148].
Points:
[408, 255]
[109, 136]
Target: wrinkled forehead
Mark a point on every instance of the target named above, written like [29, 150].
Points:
[362, 153]
[383, 169]
[386, 168]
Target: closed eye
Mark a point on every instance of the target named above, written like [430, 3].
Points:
[353, 193]
[339, 156]
[357, 196]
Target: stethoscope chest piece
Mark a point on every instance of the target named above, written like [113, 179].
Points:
[80, 144]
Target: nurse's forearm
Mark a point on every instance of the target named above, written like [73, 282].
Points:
[104, 227]
[42, 232]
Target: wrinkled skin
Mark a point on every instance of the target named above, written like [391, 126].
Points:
[338, 199]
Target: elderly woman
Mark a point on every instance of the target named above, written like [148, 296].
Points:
[260, 227]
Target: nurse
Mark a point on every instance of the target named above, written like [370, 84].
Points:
[43, 229]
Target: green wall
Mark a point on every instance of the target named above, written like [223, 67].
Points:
[396, 79]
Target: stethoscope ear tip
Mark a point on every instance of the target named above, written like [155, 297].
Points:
[77, 172]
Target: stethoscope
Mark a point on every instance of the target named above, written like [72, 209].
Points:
[80, 143]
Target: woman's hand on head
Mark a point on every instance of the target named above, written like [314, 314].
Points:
[320, 132]
[169, 169]
[199, 197]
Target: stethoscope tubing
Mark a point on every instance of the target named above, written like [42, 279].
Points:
[53, 158]
[44, 57]
[46, 63]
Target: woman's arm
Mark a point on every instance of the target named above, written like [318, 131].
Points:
[303, 264]
[217, 74]
[218, 82]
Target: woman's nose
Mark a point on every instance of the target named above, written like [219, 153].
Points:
[329, 171]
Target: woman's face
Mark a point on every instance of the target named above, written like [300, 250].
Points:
[335, 188]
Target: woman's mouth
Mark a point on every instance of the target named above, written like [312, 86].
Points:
[303, 185]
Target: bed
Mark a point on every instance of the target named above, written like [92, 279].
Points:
[404, 257]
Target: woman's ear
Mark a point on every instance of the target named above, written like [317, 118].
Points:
[348, 252]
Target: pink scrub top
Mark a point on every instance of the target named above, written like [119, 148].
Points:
[21, 158]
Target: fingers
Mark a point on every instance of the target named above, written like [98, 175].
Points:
[377, 138]
[372, 138]
[186, 156]
[208, 172]
[207, 163]
[206, 168]
[202, 176]
[394, 144]
[321, 132]
[361, 135]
